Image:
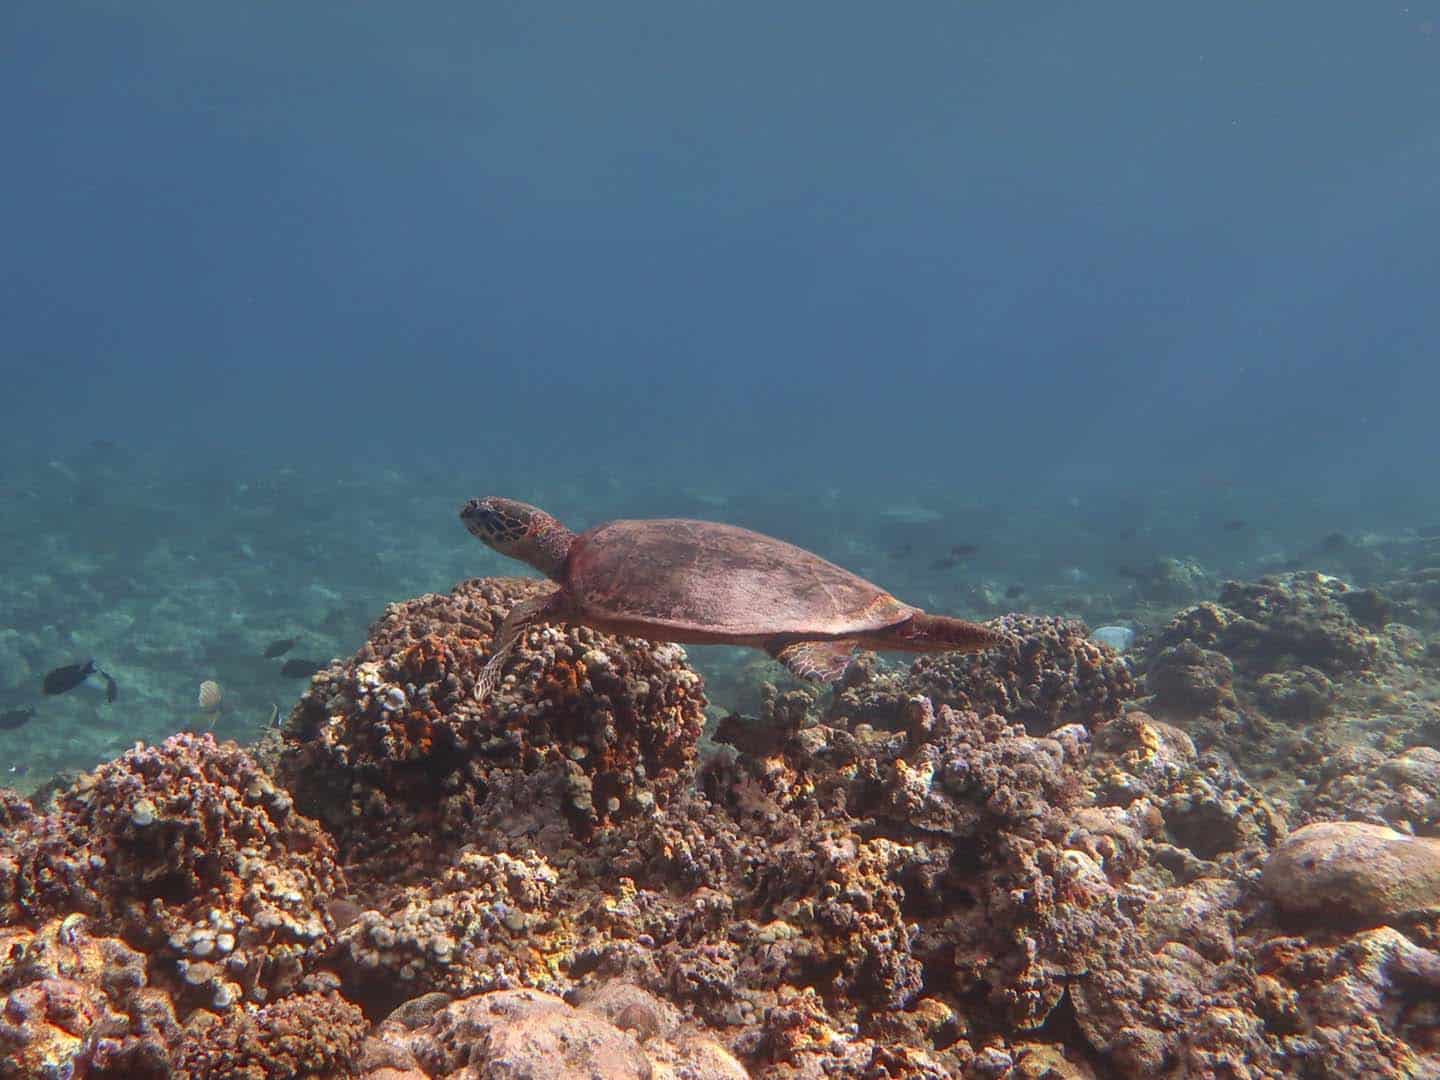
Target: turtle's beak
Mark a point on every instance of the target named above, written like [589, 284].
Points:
[482, 522]
[488, 521]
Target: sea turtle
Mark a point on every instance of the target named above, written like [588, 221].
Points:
[701, 582]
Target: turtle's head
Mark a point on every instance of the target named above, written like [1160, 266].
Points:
[520, 531]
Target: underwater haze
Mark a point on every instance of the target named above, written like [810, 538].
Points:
[984, 460]
[1079, 286]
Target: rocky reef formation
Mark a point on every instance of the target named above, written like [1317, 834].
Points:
[392, 739]
[990, 866]
[1048, 675]
[1279, 672]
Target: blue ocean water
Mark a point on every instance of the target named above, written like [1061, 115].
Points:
[1081, 287]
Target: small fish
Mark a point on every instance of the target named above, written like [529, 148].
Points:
[279, 647]
[901, 551]
[68, 677]
[19, 770]
[299, 669]
[15, 718]
[1129, 533]
[1430, 532]
[1014, 592]
[1334, 541]
[1130, 572]
[274, 720]
[964, 551]
[1293, 564]
[1235, 525]
[947, 563]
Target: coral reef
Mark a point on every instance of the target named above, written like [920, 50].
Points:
[68, 997]
[990, 866]
[1049, 675]
[312, 1034]
[611, 725]
[1281, 623]
[189, 852]
[1279, 672]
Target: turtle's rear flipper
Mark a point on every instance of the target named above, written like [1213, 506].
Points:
[923, 632]
[817, 661]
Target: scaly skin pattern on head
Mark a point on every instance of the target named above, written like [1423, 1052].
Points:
[520, 531]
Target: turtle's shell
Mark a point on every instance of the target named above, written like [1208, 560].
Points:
[710, 579]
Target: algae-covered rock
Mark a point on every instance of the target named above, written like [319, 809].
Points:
[1352, 870]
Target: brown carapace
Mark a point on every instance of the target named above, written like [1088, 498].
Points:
[704, 583]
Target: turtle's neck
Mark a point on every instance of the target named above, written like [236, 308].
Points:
[551, 542]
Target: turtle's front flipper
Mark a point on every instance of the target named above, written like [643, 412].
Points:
[817, 661]
[521, 617]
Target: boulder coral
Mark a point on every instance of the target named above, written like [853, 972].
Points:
[1048, 674]
[1349, 870]
[393, 737]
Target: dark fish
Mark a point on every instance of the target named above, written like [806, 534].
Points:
[1430, 532]
[1293, 564]
[15, 718]
[19, 770]
[1129, 533]
[1335, 541]
[299, 669]
[964, 551]
[72, 675]
[279, 647]
[1133, 574]
[1235, 525]
[1014, 592]
[68, 677]
[901, 551]
[947, 563]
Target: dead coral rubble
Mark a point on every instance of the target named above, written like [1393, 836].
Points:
[1281, 623]
[1277, 671]
[1359, 783]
